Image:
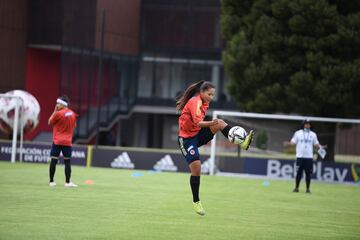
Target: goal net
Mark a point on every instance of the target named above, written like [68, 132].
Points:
[340, 136]
[15, 123]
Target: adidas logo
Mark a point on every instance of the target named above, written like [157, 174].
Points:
[205, 167]
[165, 164]
[122, 161]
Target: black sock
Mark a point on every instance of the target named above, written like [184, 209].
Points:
[67, 170]
[52, 168]
[226, 130]
[195, 185]
[308, 179]
[298, 179]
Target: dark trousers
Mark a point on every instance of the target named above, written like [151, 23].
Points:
[304, 164]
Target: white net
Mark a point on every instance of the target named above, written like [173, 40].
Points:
[340, 136]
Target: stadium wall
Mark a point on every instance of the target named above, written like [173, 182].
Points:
[122, 26]
[43, 81]
[12, 44]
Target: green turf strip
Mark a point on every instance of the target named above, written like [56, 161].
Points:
[148, 205]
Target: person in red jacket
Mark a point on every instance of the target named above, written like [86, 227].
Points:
[194, 131]
[63, 122]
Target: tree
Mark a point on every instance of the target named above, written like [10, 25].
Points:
[299, 56]
[293, 56]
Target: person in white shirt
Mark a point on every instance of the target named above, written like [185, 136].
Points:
[304, 140]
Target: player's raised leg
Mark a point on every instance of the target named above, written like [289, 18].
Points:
[248, 139]
[226, 128]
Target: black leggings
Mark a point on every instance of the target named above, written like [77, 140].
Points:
[52, 169]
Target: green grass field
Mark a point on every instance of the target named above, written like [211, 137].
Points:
[158, 206]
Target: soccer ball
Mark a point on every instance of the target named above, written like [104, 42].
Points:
[237, 135]
[29, 112]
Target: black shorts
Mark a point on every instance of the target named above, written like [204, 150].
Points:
[190, 146]
[304, 163]
[56, 149]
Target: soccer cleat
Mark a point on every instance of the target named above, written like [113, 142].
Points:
[248, 139]
[70, 185]
[296, 190]
[198, 208]
[308, 191]
[52, 184]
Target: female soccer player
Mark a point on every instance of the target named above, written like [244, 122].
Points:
[63, 121]
[195, 132]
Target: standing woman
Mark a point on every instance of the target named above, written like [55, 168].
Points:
[304, 140]
[195, 132]
[63, 122]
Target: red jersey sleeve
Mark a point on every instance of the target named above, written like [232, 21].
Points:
[55, 118]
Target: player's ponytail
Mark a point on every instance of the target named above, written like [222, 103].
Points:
[193, 89]
[189, 93]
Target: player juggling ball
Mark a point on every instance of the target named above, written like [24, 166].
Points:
[194, 131]
[63, 122]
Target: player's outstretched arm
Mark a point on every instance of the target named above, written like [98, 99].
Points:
[288, 144]
[204, 124]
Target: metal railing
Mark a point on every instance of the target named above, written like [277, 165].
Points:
[79, 80]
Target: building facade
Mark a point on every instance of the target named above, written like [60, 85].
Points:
[122, 63]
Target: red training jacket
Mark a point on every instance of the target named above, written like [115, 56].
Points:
[193, 112]
[63, 123]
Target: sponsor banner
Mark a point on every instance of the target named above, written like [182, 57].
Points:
[40, 153]
[323, 171]
[152, 160]
[230, 164]
[223, 164]
[132, 159]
